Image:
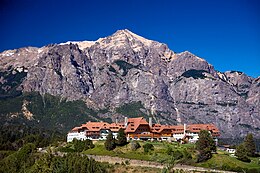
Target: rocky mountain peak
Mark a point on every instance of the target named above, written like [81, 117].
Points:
[132, 37]
[124, 39]
[127, 69]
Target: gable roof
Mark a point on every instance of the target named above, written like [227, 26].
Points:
[114, 127]
[134, 123]
[95, 126]
[158, 128]
[195, 128]
[199, 127]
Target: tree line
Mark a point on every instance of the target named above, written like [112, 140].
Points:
[28, 160]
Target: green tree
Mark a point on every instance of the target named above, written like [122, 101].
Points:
[205, 145]
[43, 164]
[18, 161]
[110, 143]
[78, 145]
[121, 138]
[249, 144]
[88, 144]
[241, 153]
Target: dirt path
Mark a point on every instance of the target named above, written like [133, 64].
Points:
[133, 162]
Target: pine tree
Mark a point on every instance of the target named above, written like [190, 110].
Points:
[249, 144]
[121, 138]
[205, 145]
[110, 142]
[241, 153]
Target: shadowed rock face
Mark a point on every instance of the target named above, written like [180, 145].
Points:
[125, 68]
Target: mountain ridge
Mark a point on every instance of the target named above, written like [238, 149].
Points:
[125, 68]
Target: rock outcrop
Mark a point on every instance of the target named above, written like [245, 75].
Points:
[124, 68]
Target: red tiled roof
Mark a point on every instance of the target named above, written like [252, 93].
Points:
[114, 127]
[158, 128]
[199, 127]
[96, 126]
[134, 123]
[76, 129]
[195, 128]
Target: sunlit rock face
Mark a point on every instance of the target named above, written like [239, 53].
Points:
[124, 68]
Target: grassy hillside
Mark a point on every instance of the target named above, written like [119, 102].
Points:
[163, 152]
[223, 161]
[168, 153]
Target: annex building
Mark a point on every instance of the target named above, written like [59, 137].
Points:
[140, 129]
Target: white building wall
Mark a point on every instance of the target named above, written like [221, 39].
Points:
[194, 137]
[115, 134]
[178, 136]
[76, 135]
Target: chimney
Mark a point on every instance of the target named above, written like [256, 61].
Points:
[116, 121]
[150, 121]
[126, 120]
[184, 128]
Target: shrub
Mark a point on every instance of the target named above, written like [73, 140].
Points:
[135, 145]
[148, 147]
[186, 154]
[79, 145]
[177, 155]
[88, 144]
[127, 162]
[204, 155]
[169, 150]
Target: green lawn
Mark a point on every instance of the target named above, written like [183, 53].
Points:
[223, 161]
[158, 154]
[126, 152]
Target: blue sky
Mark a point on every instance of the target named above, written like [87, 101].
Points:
[224, 32]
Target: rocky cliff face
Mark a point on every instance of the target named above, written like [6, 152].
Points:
[125, 68]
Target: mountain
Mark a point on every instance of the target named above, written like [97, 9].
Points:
[126, 74]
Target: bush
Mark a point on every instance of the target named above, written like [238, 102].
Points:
[177, 155]
[127, 162]
[88, 144]
[169, 150]
[186, 154]
[148, 147]
[80, 146]
[204, 155]
[135, 145]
